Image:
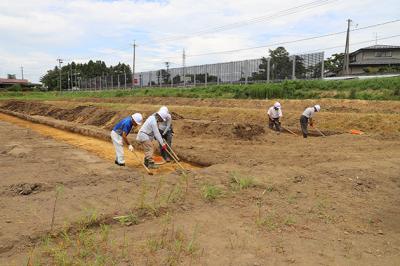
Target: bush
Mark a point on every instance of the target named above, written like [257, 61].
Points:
[15, 87]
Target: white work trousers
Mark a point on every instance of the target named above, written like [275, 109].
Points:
[118, 145]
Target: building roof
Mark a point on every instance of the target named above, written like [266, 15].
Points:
[13, 81]
[381, 61]
[376, 47]
[380, 46]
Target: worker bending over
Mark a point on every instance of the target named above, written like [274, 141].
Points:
[166, 132]
[147, 133]
[307, 117]
[274, 116]
[119, 135]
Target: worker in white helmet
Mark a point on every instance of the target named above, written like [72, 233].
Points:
[166, 132]
[274, 117]
[307, 118]
[148, 132]
[119, 135]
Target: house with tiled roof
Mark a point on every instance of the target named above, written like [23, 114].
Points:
[375, 58]
[7, 82]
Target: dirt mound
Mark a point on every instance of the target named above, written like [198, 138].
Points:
[85, 114]
[247, 131]
[242, 131]
[25, 188]
[176, 116]
[342, 109]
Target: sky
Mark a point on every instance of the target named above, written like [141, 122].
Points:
[34, 33]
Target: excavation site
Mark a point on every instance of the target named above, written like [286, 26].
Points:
[238, 193]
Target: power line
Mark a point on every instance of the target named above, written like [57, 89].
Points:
[243, 23]
[354, 43]
[324, 49]
[288, 42]
[294, 41]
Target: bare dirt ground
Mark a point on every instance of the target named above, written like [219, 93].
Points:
[251, 198]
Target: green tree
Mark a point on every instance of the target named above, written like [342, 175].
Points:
[334, 63]
[85, 71]
[281, 66]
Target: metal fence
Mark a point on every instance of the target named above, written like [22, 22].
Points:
[302, 66]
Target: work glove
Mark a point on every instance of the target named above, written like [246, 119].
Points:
[130, 147]
[164, 147]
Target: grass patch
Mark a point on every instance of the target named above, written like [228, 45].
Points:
[129, 219]
[241, 182]
[367, 89]
[87, 247]
[269, 221]
[210, 192]
[172, 244]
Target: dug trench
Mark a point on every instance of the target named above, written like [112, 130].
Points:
[185, 127]
[322, 200]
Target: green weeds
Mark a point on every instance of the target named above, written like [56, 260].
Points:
[210, 192]
[367, 89]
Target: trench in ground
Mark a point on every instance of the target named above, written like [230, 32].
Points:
[101, 148]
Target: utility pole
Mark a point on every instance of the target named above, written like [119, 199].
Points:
[76, 82]
[133, 63]
[125, 79]
[70, 77]
[22, 72]
[167, 67]
[60, 61]
[346, 50]
[184, 67]
[294, 67]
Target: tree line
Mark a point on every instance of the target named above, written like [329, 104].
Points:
[73, 73]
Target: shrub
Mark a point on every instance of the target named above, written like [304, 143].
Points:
[15, 87]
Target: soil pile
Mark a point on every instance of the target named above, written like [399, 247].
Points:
[85, 114]
[247, 131]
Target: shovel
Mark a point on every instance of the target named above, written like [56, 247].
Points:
[145, 167]
[180, 165]
[320, 132]
[171, 150]
[290, 131]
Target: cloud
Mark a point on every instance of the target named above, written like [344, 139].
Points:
[37, 32]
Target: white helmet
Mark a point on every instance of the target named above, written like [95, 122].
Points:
[138, 118]
[317, 107]
[163, 114]
[164, 108]
[277, 105]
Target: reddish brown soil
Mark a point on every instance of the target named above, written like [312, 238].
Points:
[330, 201]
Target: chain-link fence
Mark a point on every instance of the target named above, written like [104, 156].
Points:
[272, 69]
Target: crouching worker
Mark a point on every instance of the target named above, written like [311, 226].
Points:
[147, 133]
[274, 116]
[119, 135]
[166, 132]
[307, 117]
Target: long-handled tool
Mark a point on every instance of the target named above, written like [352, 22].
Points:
[171, 150]
[320, 132]
[180, 165]
[145, 167]
[290, 131]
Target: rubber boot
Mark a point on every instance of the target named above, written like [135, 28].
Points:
[152, 165]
